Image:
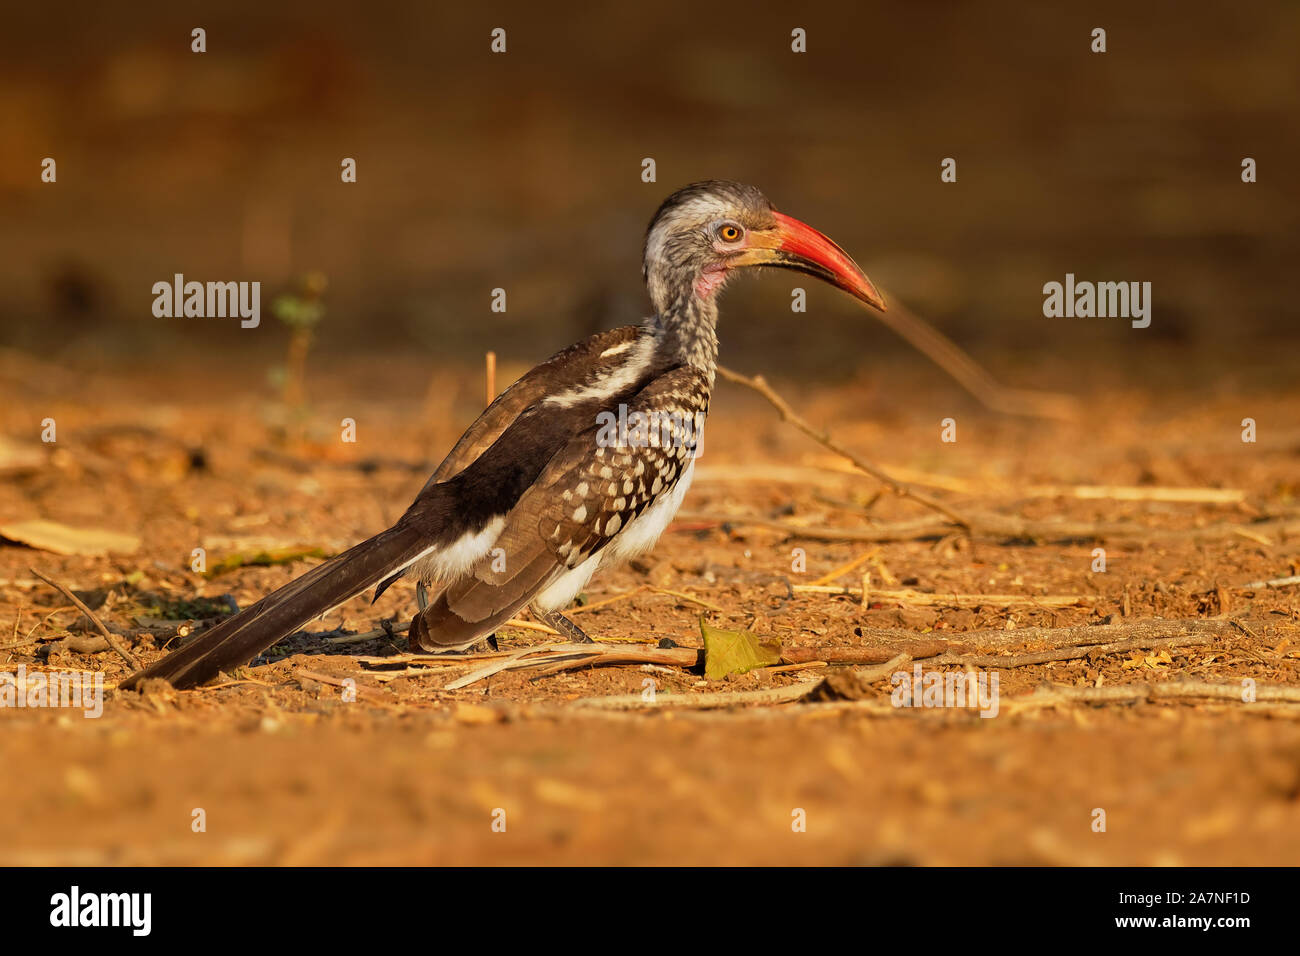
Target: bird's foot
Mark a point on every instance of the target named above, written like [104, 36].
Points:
[557, 621]
[482, 645]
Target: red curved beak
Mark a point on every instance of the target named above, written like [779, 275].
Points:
[803, 248]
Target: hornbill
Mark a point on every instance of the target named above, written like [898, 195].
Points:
[544, 488]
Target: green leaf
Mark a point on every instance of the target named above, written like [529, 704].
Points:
[735, 652]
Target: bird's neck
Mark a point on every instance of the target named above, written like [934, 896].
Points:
[686, 331]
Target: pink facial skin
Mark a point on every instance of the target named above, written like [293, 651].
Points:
[710, 281]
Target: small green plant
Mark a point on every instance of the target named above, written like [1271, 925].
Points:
[301, 310]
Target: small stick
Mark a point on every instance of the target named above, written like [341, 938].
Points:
[1274, 583]
[913, 650]
[779, 669]
[93, 619]
[302, 674]
[81, 644]
[1159, 690]
[706, 701]
[438, 660]
[235, 683]
[686, 597]
[845, 568]
[610, 600]
[491, 359]
[403, 628]
[1219, 496]
[1072, 653]
[829, 473]
[647, 587]
[497, 666]
[994, 525]
[673, 656]
[13, 638]
[872, 674]
[46, 619]
[1076, 636]
[531, 626]
[22, 643]
[369, 635]
[900, 531]
[759, 384]
[909, 596]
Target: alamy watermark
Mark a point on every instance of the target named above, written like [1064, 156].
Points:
[1102, 300]
[919, 688]
[624, 429]
[133, 911]
[77, 689]
[209, 300]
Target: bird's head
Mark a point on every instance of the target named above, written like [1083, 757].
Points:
[706, 231]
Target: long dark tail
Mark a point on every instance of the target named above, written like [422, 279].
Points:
[237, 640]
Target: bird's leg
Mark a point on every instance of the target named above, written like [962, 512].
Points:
[557, 621]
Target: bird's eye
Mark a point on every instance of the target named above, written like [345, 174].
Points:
[729, 232]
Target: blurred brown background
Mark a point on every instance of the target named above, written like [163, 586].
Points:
[522, 171]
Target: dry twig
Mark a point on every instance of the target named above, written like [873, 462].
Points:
[1072, 653]
[108, 637]
[953, 599]
[706, 701]
[1076, 636]
[759, 384]
[1159, 690]
[1273, 583]
[1004, 526]
[302, 674]
[843, 569]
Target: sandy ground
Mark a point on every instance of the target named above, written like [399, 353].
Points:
[288, 771]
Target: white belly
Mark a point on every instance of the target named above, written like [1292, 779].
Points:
[560, 593]
[637, 537]
[644, 530]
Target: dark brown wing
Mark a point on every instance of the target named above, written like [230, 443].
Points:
[580, 364]
[571, 367]
[590, 490]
